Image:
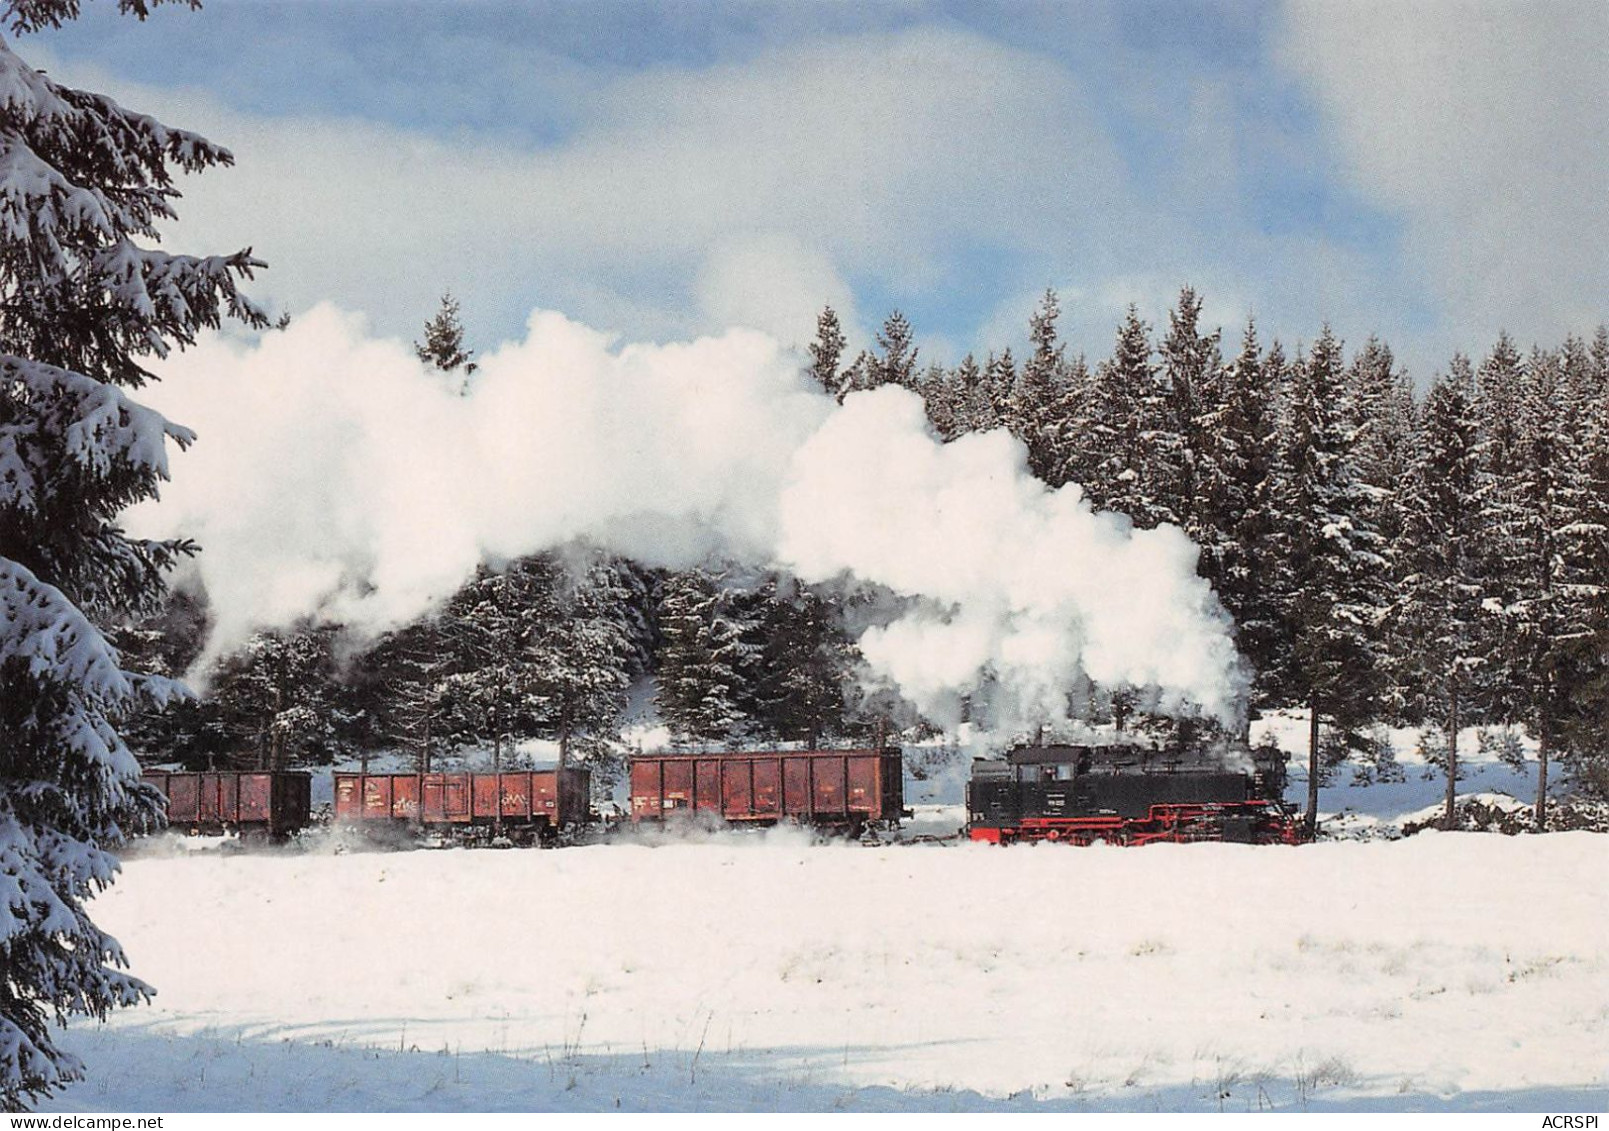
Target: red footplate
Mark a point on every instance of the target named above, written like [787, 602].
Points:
[1251, 822]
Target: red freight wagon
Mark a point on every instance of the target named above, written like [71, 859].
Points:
[847, 789]
[525, 804]
[268, 804]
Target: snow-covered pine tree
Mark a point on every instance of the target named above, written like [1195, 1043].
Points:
[941, 397]
[1338, 591]
[1040, 390]
[580, 660]
[1067, 408]
[494, 628]
[83, 186]
[1128, 420]
[275, 695]
[1499, 387]
[1436, 623]
[1192, 377]
[860, 374]
[1546, 612]
[806, 660]
[974, 408]
[895, 364]
[1078, 451]
[1244, 535]
[443, 347]
[188, 730]
[999, 385]
[826, 352]
[408, 669]
[1382, 413]
[1586, 730]
[1600, 358]
[699, 686]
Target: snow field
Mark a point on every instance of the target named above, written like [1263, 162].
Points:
[1445, 970]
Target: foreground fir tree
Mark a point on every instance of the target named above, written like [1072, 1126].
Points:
[83, 184]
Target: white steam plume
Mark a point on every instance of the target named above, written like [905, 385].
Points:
[336, 476]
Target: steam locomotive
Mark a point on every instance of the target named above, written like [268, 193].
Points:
[1134, 795]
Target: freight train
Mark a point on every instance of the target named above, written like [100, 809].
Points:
[1074, 794]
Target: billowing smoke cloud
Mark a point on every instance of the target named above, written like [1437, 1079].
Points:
[336, 476]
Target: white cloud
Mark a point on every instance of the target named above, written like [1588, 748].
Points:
[874, 156]
[773, 282]
[928, 167]
[1486, 127]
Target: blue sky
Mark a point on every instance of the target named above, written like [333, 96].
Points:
[1427, 172]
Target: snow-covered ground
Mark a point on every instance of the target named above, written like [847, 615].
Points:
[763, 971]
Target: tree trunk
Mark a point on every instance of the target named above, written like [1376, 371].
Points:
[1542, 778]
[1311, 819]
[497, 769]
[276, 737]
[1448, 819]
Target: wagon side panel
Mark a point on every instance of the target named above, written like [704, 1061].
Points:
[184, 798]
[517, 796]
[406, 790]
[677, 784]
[647, 790]
[254, 798]
[828, 786]
[377, 797]
[707, 784]
[865, 783]
[544, 791]
[485, 797]
[767, 787]
[737, 789]
[796, 789]
[348, 797]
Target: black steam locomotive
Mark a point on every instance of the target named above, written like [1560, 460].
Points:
[1124, 794]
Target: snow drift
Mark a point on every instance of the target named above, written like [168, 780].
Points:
[336, 476]
[1412, 975]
